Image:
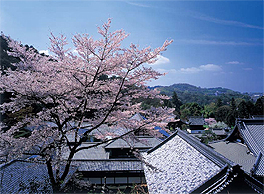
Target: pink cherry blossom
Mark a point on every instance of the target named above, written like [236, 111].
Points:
[96, 87]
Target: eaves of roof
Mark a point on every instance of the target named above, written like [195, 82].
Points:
[202, 148]
[109, 165]
[218, 182]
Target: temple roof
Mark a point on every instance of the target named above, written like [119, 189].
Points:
[251, 133]
[237, 152]
[18, 174]
[181, 164]
[145, 142]
[109, 165]
[21, 176]
[196, 121]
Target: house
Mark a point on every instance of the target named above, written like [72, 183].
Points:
[221, 133]
[113, 163]
[181, 164]
[196, 125]
[176, 124]
[245, 146]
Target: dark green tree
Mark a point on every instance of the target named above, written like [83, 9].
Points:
[233, 104]
[222, 112]
[190, 109]
[231, 119]
[208, 136]
[259, 106]
[219, 102]
[209, 110]
[176, 102]
[242, 110]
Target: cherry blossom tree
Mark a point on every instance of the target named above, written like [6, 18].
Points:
[97, 86]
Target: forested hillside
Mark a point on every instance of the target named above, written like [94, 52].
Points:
[188, 93]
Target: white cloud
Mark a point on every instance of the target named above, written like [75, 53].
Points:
[138, 4]
[161, 60]
[234, 63]
[208, 67]
[190, 70]
[46, 52]
[166, 70]
[223, 22]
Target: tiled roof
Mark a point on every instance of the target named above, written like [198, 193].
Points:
[252, 132]
[109, 165]
[138, 142]
[219, 131]
[236, 152]
[97, 152]
[137, 117]
[196, 121]
[181, 164]
[18, 173]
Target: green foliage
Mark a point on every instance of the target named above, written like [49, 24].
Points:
[259, 106]
[243, 111]
[5, 59]
[208, 136]
[203, 96]
[209, 110]
[149, 102]
[190, 109]
[222, 112]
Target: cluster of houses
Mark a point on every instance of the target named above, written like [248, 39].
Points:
[199, 125]
[175, 162]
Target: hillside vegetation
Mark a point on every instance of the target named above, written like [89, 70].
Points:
[188, 93]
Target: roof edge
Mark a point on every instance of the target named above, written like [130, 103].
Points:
[163, 142]
[208, 152]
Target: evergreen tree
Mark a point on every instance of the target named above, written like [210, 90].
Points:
[190, 109]
[176, 102]
[233, 104]
[219, 102]
[222, 112]
[242, 110]
[259, 106]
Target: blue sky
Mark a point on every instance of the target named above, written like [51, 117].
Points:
[216, 43]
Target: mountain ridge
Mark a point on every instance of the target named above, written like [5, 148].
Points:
[190, 93]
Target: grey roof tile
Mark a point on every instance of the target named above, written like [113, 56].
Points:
[178, 167]
[18, 173]
[252, 132]
[97, 152]
[108, 165]
[236, 152]
[137, 142]
[196, 121]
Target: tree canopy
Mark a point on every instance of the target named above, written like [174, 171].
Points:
[95, 87]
